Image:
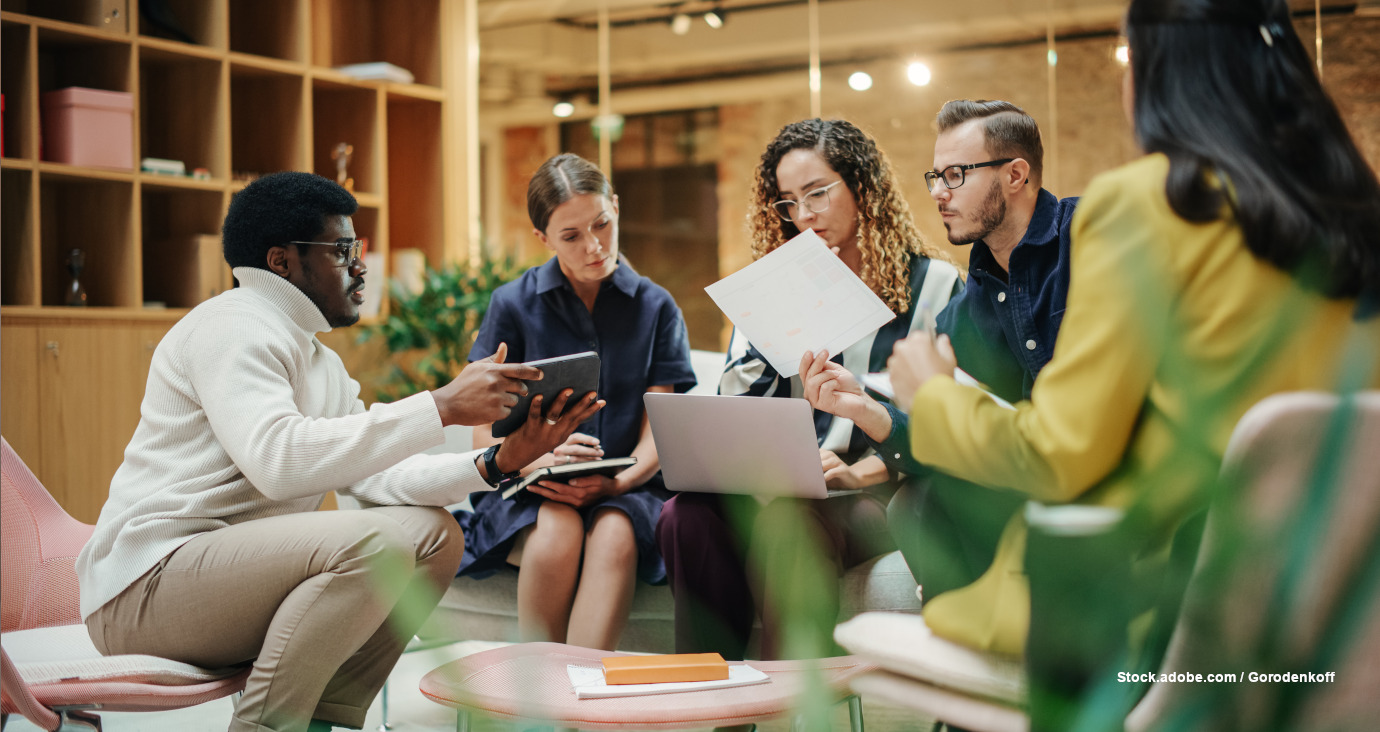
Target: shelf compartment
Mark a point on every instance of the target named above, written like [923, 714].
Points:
[405, 33]
[203, 23]
[182, 260]
[349, 115]
[17, 82]
[65, 59]
[264, 143]
[108, 16]
[97, 217]
[20, 256]
[182, 107]
[415, 177]
[272, 28]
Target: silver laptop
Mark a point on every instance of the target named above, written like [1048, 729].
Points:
[762, 446]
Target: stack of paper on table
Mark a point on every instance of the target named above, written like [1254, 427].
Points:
[800, 297]
[589, 683]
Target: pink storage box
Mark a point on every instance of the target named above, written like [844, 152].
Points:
[90, 127]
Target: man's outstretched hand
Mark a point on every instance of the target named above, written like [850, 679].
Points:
[485, 391]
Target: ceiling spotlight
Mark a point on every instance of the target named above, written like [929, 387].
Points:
[1123, 54]
[860, 80]
[918, 73]
[714, 19]
[563, 109]
[680, 24]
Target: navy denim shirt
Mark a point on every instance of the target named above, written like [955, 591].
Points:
[1003, 332]
[635, 327]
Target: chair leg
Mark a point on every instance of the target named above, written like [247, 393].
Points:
[73, 720]
[855, 715]
[383, 698]
[462, 721]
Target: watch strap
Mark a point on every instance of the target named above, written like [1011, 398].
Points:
[495, 477]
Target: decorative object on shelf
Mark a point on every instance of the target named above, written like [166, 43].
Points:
[76, 291]
[160, 17]
[378, 71]
[343, 152]
[429, 333]
[201, 173]
[90, 127]
[163, 166]
[244, 176]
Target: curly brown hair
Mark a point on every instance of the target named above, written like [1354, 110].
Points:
[886, 232]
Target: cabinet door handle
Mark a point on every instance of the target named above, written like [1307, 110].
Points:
[53, 348]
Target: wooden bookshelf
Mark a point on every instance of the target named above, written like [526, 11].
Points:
[251, 88]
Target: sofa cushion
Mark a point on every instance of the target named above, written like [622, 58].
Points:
[486, 609]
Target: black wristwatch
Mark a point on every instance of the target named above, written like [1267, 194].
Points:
[496, 477]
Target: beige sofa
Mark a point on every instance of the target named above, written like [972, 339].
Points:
[487, 609]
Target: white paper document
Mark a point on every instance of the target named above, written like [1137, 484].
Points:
[589, 682]
[800, 297]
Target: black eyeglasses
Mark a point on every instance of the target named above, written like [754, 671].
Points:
[954, 175]
[346, 252]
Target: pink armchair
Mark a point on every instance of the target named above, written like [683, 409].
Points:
[51, 670]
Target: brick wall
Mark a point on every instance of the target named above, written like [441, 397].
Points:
[1092, 132]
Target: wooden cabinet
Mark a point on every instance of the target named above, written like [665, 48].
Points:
[71, 391]
[247, 88]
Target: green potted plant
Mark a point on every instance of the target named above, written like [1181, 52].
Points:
[429, 333]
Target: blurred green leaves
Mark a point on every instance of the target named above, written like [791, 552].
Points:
[429, 333]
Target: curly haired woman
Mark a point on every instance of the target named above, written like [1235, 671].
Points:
[730, 558]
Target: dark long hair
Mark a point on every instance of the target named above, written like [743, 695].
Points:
[887, 236]
[1225, 87]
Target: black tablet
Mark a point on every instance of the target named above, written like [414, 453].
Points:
[579, 372]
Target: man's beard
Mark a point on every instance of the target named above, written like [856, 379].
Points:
[991, 212]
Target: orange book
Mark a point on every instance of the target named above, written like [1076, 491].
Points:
[664, 668]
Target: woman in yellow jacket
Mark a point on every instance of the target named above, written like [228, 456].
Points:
[1239, 258]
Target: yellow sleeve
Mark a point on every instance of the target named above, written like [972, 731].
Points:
[1085, 404]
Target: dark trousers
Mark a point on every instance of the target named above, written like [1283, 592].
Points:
[947, 529]
[730, 559]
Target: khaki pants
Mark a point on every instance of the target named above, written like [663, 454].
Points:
[322, 603]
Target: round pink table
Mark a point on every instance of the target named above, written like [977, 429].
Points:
[528, 682]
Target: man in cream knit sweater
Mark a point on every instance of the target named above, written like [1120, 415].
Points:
[210, 549]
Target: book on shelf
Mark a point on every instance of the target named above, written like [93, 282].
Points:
[562, 473]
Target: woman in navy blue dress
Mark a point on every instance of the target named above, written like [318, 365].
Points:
[582, 545]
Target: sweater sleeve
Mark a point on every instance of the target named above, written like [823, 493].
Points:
[249, 378]
[1085, 404]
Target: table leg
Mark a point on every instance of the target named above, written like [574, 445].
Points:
[462, 720]
[855, 715]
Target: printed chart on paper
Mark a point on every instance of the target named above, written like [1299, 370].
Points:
[801, 297]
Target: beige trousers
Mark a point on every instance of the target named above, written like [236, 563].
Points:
[322, 603]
